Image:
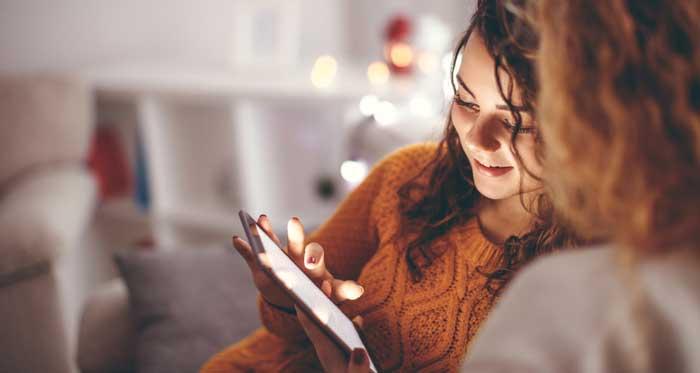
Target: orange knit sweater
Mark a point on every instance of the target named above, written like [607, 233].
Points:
[408, 326]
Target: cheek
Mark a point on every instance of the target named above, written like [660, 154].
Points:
[527, 148]
[462, 121]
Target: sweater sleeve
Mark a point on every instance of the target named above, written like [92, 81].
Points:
[349, 239]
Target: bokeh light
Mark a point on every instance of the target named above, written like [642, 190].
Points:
[401, 55]
[378, 73]
[324, 71]
[353, 171]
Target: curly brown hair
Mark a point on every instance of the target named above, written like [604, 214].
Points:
[620, 112]
[450, 197]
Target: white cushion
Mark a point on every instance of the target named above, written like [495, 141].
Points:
[43, 214]
[43, 119]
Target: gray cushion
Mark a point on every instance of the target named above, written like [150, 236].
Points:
[187, 305]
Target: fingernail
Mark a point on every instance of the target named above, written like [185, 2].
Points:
[235, 238]
[263, 216]
[356, 293]
[313, 254]
[358, 356]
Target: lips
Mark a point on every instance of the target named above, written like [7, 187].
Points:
[491, 171]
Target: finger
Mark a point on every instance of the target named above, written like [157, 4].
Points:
[244, 249]
[327, 288]
[359, 361]
[346, 290]
[264, 222]
[315, 264]
[295, 239]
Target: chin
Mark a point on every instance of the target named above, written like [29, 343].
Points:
[494, 192]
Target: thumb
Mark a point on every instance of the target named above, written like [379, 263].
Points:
[344, 290]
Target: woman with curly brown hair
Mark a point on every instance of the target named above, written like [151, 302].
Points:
[433, 233]
[620, 113]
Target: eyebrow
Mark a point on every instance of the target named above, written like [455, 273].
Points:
[500, 107]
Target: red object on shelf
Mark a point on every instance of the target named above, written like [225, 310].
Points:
[399, 28]
[398, 51]
[109, 165]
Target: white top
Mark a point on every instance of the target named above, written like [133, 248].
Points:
[571, 313]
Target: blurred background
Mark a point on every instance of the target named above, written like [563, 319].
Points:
[145, 126]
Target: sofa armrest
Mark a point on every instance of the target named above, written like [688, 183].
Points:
[43, 213]
[107, 334]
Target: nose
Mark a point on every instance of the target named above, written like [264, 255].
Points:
[483, 135]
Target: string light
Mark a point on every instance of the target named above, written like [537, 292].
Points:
[378, 73]
[401, 55]
[386, 114]
[324, 71]
[368, 105]
[353, 171]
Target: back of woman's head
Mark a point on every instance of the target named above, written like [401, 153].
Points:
[619, 107]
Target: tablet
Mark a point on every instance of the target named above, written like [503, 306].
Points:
[302, 289]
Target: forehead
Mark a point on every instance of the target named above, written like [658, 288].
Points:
[477, 71]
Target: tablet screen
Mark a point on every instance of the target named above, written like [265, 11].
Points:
[296, 281]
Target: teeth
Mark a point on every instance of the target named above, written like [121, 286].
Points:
[489, 165]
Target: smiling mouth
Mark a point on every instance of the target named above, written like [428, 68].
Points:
[492, 171]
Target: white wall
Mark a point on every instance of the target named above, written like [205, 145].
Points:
[367, 19]
[70, 34]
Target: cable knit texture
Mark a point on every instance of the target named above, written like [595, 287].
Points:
[426, 325]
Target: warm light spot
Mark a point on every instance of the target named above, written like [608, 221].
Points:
[427, 62]
[353, 171]
[401, 55]
[378, 73]
[324, 71]
[368, 104]
[386, 114]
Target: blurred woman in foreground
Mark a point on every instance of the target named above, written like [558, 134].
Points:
[620, 114]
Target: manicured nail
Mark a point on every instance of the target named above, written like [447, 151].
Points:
[358, 356]
[313, 254]
[354, 292]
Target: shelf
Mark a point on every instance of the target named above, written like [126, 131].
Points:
[123, 209]
[146, 79]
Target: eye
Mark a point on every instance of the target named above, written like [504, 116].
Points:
[513, 129]
[473, 107]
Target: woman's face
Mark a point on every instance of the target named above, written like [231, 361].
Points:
[485, 126]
